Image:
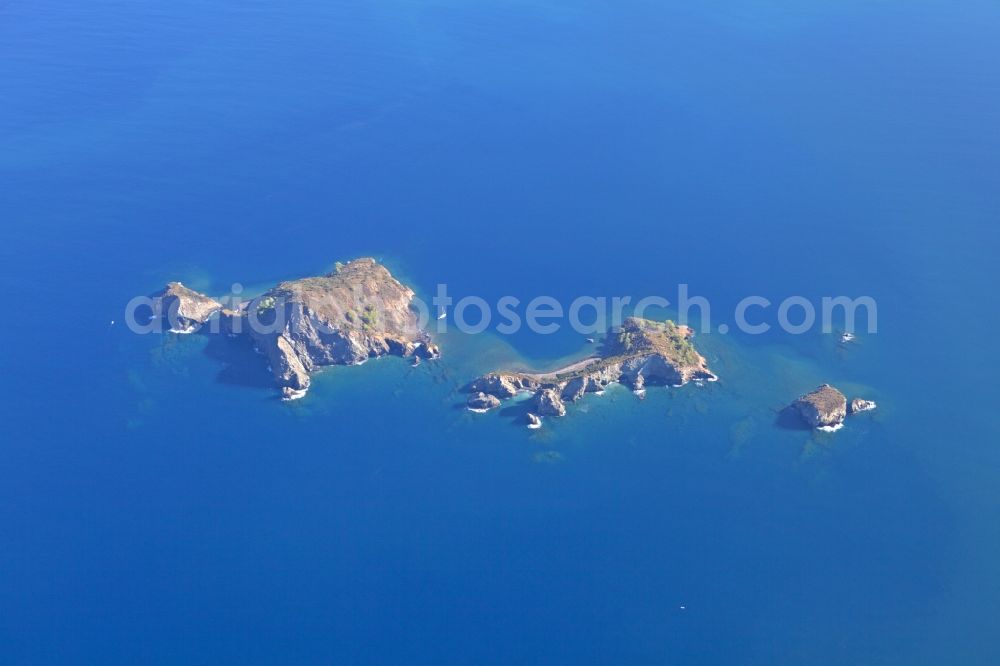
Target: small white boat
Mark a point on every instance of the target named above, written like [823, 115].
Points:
[442, 314]
[847, 336]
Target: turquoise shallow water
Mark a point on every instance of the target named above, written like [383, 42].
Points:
[159, 505]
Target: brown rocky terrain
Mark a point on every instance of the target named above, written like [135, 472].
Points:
[185, 310]
[642, 351]
[357, 312]
[827, 407]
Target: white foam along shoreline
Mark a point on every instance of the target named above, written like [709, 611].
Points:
[294, 395]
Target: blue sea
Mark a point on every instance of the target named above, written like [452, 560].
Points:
[159, 504]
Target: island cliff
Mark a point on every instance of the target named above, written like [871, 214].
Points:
[358, 311]
[641, 351]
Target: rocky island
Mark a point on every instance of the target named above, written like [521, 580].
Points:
[357, 312]
[826, 408]
[640, 352]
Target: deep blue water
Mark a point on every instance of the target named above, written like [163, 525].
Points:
[159, 506]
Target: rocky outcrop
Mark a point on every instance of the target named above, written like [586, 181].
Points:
[426, 350]
[357, 312]
[185, 310]
[548, 403]
[639, 383]
[503, 385]
[661, 352]
[533, 421]
[642, 352]
[826, 407]
[575, 388]
[286, 366]
[482, 402]
[859, 405]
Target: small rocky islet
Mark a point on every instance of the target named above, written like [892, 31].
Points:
[826, 408]
[360, 311]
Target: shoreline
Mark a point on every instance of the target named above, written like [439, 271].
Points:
[553, 374]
